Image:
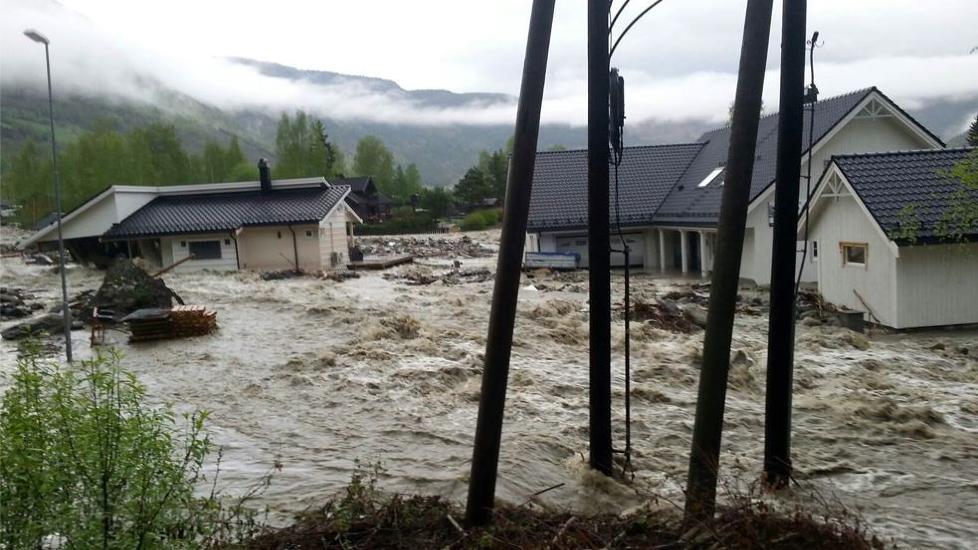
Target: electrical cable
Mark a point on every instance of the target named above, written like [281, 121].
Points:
[617, 118]
[617, 15]
[630, 25]
[808, 191]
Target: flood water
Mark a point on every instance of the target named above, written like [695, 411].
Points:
[312, 374]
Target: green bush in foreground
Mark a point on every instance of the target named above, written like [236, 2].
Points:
[84, 463]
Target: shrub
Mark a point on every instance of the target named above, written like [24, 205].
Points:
[401, 223]
[481, 219]
[85, 464]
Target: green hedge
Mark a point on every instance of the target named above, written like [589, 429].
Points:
[481, 219]
[400, 224]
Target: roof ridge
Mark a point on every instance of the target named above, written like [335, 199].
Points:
[908, 152]
[647, 146]
[862, 91]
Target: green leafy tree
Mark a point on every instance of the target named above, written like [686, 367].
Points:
[234, 156]
[473, 187]
[973, 133]
[960, 219]
[159, 155]
[495, 166]
[28, 182]
[372, 158]
[437, 201]
[302, 148]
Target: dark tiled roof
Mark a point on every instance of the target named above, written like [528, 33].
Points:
[559, 196]
[357, 185]
[689, 204]
[219, 212]
[918, 181]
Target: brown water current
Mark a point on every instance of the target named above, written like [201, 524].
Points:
[312, 374]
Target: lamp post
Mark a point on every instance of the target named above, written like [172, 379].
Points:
[66, 312]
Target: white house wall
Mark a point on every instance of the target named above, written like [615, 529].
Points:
[859, 135]
[271, 248]
[937, 285]
[127, 202]
[333, 244]
[177, 248]
[841, 220]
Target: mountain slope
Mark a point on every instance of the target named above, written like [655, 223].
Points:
[442, 152]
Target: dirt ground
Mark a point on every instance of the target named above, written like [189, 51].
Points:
[311, 374]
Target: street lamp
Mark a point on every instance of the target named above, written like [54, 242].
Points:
[66, 312]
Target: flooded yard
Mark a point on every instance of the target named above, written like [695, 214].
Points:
[311, 374]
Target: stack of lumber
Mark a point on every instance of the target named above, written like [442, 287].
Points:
[178, 322]
[192, 320]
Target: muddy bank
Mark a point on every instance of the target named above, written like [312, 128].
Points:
[313, 373]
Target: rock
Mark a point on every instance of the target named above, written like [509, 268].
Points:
[125, 289]
[50, 323]
[696, 314]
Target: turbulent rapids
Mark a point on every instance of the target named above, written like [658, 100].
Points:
[311, 374]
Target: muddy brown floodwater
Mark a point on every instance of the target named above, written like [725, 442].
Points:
[313, 374]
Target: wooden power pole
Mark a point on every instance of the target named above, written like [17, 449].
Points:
[704, 457]
[502, 318]
[599, 237]
[781, 323]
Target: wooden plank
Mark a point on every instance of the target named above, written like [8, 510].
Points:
[381, 263]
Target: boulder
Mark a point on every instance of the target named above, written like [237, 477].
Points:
[126, 288]
[50, 323]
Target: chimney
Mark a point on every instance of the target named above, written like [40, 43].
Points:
[265, 176]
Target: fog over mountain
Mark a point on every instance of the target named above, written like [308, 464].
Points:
[100, 75]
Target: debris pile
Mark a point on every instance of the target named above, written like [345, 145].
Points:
[127, 288]
[341, 275]
[179, 322]
[279, 275]
[666, 315]
[425, 276]
[424, 247]
[15, 303]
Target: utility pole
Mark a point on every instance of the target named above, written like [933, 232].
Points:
[704, 457]
[502, 317]
[781, 322]
[598, 235]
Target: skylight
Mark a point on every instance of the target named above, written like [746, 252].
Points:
[710, 177]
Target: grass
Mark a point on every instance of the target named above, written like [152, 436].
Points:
[362, 518]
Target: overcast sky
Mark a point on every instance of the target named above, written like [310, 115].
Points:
[679, 62]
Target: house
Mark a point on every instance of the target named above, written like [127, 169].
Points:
[365, 199]
[669, 195]
[302, 223]
[877, 243]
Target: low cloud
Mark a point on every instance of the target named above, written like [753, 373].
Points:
[86, 60]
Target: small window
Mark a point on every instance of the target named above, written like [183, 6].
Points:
[206, 250]
[854, 254]
[710, 177]
[308, 233]
[227, 242]
[183, 244]
[279, 234]
[814, 250]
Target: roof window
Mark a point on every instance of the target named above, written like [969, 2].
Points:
[711, 176]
